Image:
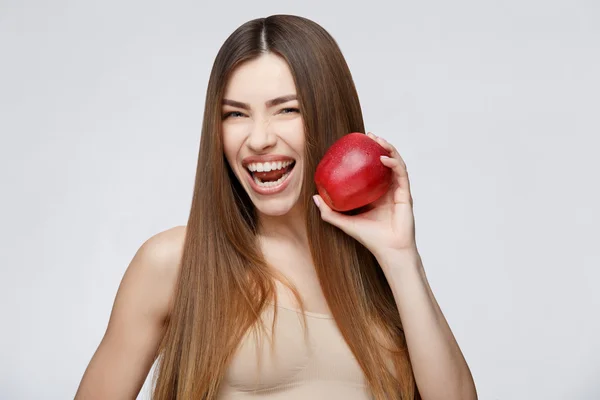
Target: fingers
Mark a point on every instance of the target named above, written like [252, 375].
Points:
[344, 222]
[386, 145]
[391, 149]
[395, 164]
[398, 166]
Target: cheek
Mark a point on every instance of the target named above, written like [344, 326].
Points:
[231, 157]
[293, 132]
[232, 142]
[227, 150]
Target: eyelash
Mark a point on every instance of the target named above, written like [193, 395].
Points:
[227, 115]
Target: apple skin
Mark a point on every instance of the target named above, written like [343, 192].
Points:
[350, 175]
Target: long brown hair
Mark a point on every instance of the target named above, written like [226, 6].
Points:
[225, 282]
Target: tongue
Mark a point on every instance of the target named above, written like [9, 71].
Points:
[271, 176]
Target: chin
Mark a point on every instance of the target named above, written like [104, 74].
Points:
[275, 207]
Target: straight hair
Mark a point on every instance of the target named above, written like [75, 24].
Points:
[225, 282]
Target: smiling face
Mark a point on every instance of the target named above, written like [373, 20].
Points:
[263, 133]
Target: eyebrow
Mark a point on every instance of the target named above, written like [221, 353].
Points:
[270, 103]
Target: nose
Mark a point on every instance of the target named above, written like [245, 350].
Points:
[261, 137]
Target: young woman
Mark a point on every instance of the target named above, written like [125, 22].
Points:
[267, 292]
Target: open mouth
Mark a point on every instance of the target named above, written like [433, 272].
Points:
[270, 174]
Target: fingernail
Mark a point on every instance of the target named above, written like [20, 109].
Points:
[382, 157]
[316, 200]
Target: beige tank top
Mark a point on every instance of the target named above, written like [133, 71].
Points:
[318, 367]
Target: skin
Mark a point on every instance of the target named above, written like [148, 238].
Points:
[388, 231]
[266, 130]
[263, 129]
[126, 353]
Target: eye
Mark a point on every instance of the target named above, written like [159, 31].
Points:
[289, 110]
[232, 114]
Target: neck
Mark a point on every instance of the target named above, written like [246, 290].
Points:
[288, 227]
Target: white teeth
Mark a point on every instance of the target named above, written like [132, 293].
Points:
[271, 184]
[268, 166]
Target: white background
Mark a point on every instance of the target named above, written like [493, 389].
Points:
[494, 106]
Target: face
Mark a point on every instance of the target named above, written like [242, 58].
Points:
[263, 133]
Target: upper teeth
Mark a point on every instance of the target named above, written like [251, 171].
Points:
[268, 166]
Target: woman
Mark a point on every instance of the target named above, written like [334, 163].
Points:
[341, 300]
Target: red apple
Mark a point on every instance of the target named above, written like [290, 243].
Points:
[350, 174]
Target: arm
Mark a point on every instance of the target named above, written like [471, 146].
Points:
[438, 364]
[128, 349]
[387, 229]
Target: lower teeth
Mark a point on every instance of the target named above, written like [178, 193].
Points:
[270, 184]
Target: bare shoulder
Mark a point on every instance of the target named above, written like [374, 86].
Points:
[162, 252]
[164, 247]
[137, 321]
[157, 262]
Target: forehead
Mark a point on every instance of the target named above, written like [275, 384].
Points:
[261, 79]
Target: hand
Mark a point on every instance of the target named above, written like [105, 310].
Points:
[388, 224]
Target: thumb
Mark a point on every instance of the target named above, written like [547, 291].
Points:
[344, 222]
